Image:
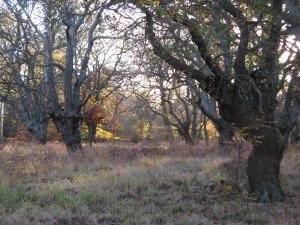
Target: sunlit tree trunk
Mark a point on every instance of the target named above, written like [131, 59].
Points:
[225, 129]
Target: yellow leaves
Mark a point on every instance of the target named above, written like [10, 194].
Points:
[100, 133]
[228, 188]
[141, 130]
[59, 56]
[212, 132]
[103, 134]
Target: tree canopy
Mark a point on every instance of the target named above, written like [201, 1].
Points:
[243, 54]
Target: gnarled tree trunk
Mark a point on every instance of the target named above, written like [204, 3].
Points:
[264, 162]
[184, 131]
[70, 129]
[268, 146]
[225, 129]
[246, 92]
[38, 130]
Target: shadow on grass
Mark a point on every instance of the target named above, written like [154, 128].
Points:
[142, 183]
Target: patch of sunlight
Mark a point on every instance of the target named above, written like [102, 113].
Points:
[211, 165]
[153, 162]
[58, 184]
[83, 178]
[144, 164]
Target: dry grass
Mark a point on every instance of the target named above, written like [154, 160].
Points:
[143, 183]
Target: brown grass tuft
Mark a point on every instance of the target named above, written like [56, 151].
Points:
[140, 183]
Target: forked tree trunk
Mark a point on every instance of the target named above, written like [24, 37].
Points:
[264, 162]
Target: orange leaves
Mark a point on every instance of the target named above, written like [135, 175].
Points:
[93, 114]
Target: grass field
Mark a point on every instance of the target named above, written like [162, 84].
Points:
[143, 183]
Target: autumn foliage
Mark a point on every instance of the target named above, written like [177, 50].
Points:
[93, 114]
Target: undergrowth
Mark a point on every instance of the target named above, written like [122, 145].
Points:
[143, 183]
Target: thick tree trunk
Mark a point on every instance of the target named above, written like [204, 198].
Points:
[184, 131]
[268, 146]
[38, 129]
[225, 131]
[264, 162]
[72, 136]
[188, 139]
[70, 129]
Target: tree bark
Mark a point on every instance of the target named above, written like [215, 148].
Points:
[72, 137]
[188, 140]
[38, 128]
[246, 96]
[225, 129]
[70, 129]
[264, 162]
[295, 134]
[92, 133]
[184, 131]
[268, 147]
[206, 137]
[38, 131]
